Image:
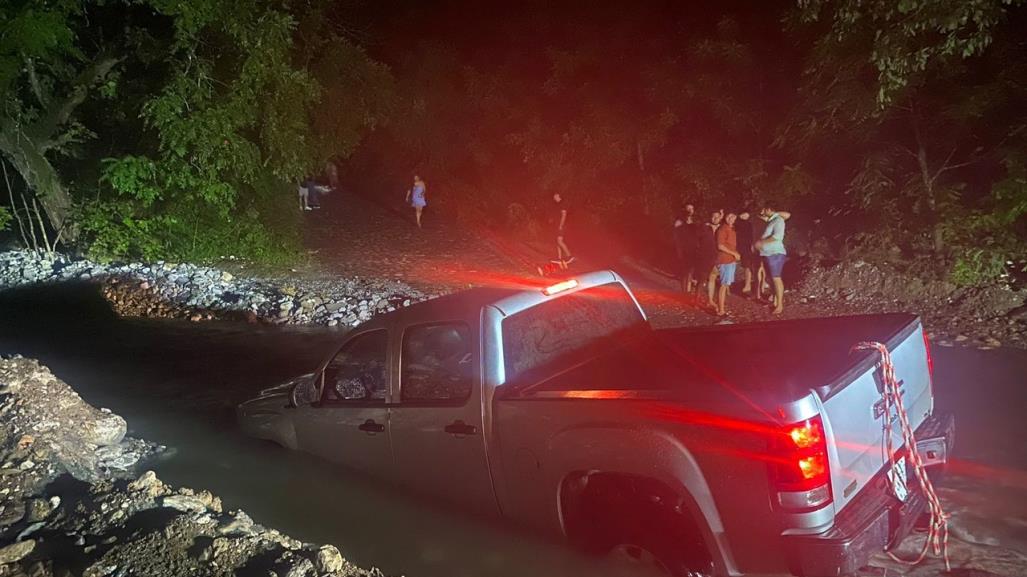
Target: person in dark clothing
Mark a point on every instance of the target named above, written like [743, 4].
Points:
[743, 229]
[563, 253]
[686, 245]
[313, 198]
[707, 259]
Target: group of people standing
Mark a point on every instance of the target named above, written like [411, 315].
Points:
[716, 249]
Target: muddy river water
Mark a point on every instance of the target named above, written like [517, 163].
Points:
[176, 383]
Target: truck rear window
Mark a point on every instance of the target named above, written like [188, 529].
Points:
[579, 324]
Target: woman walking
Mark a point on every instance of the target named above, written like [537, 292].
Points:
[416, 198]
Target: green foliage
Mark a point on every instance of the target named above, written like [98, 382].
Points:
[977, 266]
[5, 218]
[911, 35]
[233, 125]
[264, 230]
[33, 30]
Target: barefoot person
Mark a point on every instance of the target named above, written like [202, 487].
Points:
[563, 254]
[727, 259]
[417, 198]
[772, 249]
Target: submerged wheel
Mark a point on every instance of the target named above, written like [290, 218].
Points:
[637, 560]
[634, 524]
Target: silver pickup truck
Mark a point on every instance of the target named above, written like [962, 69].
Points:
[728, 450]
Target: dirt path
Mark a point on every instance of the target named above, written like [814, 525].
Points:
[351, 236]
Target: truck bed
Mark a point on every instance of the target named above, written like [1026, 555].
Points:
[789, 357]
[767, 364]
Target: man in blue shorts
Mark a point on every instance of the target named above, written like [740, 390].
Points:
[772, 249]
[727, 259]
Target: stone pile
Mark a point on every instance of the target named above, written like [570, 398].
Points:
[71, 500]
[986, 317]
[170, 290]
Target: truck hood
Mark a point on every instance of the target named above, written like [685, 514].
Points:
[282, 388]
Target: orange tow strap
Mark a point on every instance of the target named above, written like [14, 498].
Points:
[938, 533]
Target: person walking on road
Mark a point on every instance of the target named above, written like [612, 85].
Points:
[417, 198]
[727, 259]
[772, 249]
[563, 253]
[686, 245]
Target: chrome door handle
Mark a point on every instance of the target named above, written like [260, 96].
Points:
[460, 428]
[371, 427]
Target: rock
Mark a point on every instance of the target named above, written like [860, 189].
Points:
[38, 510]
[27, 531]
[25, 442]
[148, 484]
[961, 338]
[329, 560]
[238, 525]
[108, 430]
[301, 568]
[16, 551]
[184, 503]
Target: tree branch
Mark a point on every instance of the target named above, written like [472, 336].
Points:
[37, 88]
[43, 131]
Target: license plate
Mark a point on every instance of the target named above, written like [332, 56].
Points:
[897, 479]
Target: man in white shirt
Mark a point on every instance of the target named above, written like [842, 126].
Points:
[772, 250]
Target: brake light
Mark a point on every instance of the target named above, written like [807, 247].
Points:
[800, 471]
[559, 287]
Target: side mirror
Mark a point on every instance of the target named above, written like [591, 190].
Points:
[304, 393]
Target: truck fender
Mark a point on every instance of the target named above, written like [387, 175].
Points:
[649, 455]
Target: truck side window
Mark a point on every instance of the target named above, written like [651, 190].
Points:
[357, 372]
[437, 363]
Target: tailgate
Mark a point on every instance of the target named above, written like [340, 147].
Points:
[854, 413]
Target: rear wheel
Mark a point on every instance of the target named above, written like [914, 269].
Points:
[640, 526]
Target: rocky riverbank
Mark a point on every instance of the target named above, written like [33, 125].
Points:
[984, 317]
[170, 290]
[73, 502]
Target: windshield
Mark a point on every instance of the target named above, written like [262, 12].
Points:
[567, 329]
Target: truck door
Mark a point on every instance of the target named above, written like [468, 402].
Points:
[350, 423]
[437, 437]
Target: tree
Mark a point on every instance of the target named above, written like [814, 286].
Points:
[44, 78]
[916, 146]
[909, 36]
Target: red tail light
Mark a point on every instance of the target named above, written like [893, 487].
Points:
[800, 471]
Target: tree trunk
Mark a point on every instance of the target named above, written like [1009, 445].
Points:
[26, 145]
[937, 238]
[40, 176]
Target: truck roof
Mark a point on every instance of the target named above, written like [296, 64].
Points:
[509, 300]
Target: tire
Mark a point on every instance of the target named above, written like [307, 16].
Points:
[629, 526]
[662, 543]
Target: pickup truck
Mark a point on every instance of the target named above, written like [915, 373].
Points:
[725, 450]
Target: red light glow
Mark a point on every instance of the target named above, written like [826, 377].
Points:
[559, 287]
[813, 466]
[806, 435]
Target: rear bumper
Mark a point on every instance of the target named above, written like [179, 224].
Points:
[875, 520]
